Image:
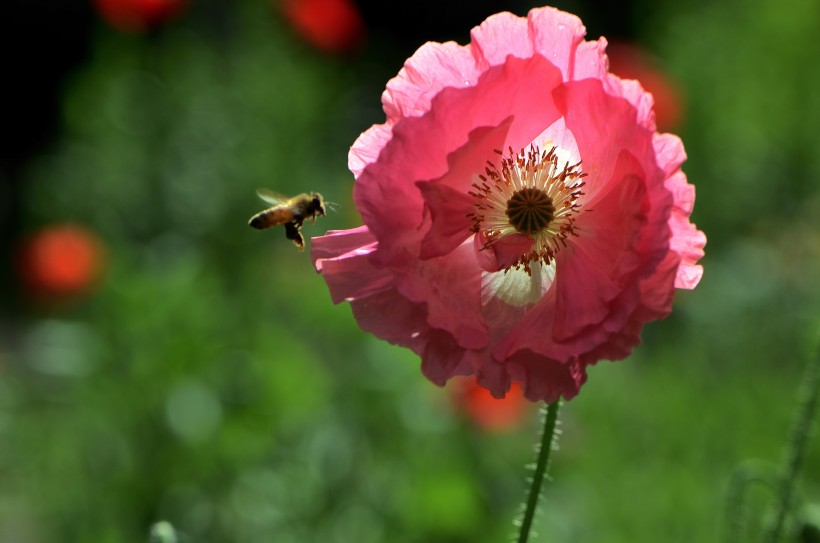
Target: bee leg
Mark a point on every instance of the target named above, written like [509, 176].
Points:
[292, 233]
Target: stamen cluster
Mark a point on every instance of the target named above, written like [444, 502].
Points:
[528, 195]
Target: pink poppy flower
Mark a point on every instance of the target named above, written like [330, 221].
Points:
[522, 217]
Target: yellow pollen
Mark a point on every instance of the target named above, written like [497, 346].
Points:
[529, 195]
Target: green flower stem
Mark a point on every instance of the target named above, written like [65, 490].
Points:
[548, 439]
[796, 451]
[738, 510]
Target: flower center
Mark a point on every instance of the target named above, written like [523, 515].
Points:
[530, 210]
[528, 195]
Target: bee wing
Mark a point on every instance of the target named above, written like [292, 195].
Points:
[271, 197]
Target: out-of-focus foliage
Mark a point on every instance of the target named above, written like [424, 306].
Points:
[208, 380]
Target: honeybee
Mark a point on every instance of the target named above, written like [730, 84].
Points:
[291, 212]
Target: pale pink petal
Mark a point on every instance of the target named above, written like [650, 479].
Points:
[367, 147]
[559, 137]
[500, 36]
[346, 267]
[386, 195]
[683, 194]
[688, 242]
[392, 317]
[377, 305]
[590, 60]
[593, 270]
[603, 126]
[449, 209]
[669, 152]
[338, 242]
[556, 35]
[488, 373]
[433, 67]
[450, 285]
[634, 93]
[447, 200]
[533, 333]
[441, 357]
[502, 254]
[584, 292]
[646, 300]
[546, 380]
[618, 345]
[465, 163]
[657, 291]
[525, 92]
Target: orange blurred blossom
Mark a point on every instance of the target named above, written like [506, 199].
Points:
[632, 62]
[61, 260]
[135, 16]
[332, 26]
[489, 413]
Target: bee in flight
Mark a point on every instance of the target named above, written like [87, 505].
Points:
[291, 212]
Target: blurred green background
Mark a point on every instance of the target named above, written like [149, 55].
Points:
[206, 379]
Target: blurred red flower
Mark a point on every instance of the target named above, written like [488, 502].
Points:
[488, 413]
[523, 218]
[139, 15]
[61, 260]
[630, 61]
[333, 26]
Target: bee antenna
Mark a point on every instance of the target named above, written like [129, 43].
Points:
[332, 206]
